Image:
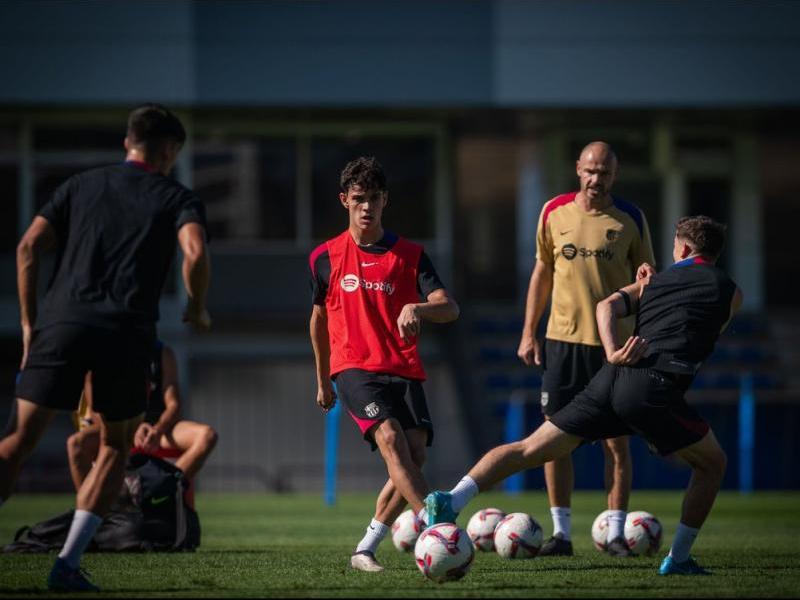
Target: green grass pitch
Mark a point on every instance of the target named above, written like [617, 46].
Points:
[260, 545]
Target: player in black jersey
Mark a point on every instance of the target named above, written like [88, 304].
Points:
[113, 230]
[640, 390]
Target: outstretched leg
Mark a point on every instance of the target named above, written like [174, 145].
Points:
[543, 445]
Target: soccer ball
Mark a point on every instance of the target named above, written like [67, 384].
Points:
[444, 552]
[405, 531]
[481, 528]
[518, 536]
[600, 531]
[643, 533]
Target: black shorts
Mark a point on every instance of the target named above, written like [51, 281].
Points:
[60, 356]
[568, 368]
[371, 398]
[629, 400]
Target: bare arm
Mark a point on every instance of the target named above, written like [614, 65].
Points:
[539, 290]
[620, 304]
[196, 274]
[39, 237]
[320, 341]
[439, 307]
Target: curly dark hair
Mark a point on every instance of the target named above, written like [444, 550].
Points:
[365, 172]
[152, 125]
[705, 235]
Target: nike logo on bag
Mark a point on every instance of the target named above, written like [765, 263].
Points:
[363, 264]
[156, 501]
[564, 232]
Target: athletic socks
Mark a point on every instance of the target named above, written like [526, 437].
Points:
[562, 521]
[422, 515]
[375, 534]
[616, 524]
[84, 525]
[682, 544]
[465, 490]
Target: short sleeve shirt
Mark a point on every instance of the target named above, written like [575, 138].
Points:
[117, 235]
[320, 266]
[592, 255]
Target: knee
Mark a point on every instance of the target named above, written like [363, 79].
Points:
[387, 436]
[74, 446]
[717, 463]
[208, 438]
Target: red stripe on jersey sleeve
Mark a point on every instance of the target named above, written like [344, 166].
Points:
[557, 202]
[312, 259]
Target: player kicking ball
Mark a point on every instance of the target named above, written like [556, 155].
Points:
[680, 313]
[365, 323]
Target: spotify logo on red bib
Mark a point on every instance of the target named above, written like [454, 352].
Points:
[350, 283]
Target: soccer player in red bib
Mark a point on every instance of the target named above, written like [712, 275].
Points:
[367, 284]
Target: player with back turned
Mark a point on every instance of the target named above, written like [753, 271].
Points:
[367, 286]
[113, 230]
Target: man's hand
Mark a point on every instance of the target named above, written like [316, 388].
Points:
[147, 437]
[409, 322]
[27, 338]
[630, 353]
[530, 350]
[326, 397]
[197, 316]
[645, 271]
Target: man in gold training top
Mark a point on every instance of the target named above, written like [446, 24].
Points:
[589, 244]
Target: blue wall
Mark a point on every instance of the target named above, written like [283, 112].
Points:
[417, 53]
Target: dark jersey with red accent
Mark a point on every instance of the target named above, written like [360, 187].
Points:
[684, 308]
[364, 294]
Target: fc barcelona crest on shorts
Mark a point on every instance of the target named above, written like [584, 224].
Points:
[372, 410]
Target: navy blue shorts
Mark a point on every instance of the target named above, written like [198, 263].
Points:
[630, 400]
[60, 356]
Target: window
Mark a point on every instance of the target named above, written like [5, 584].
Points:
[249, 187]
[410, 169]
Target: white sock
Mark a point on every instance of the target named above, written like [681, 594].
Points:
[562, 521]
[84, 525]
[682, 543]
[375, 534]
[422, 515]
[465, 490]
[616, 524]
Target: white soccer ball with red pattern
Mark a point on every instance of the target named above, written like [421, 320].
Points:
[518, 535]
[405, 531]
[600, 531]
[444, 552]
[481, 528]
[643, 533]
